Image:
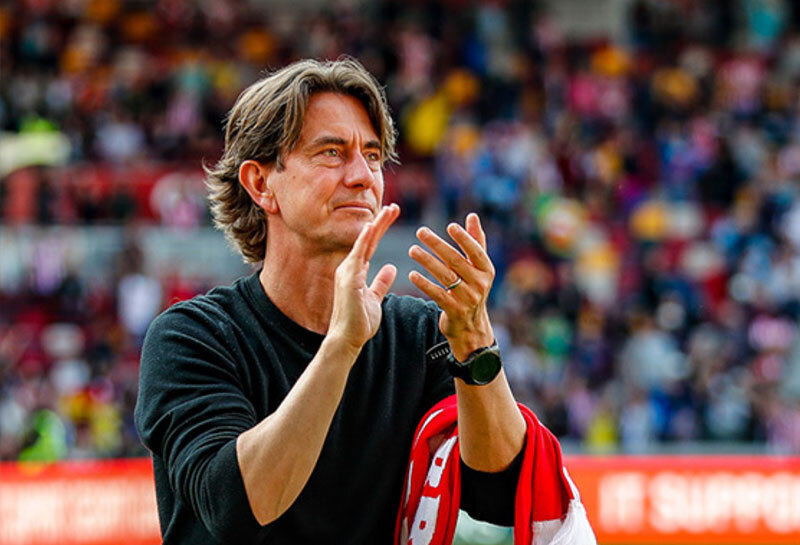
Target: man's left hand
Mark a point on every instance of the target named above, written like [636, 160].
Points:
[465, 279]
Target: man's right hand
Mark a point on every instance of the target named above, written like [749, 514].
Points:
[356, 312]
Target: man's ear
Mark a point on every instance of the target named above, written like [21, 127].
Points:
[254, 178]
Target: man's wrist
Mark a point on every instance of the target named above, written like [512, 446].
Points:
[339, 349]
[463, 347]
[479, 368]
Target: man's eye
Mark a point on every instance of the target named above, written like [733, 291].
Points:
[373, 156]
[331, 153]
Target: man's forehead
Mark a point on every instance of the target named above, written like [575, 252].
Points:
[336, 115]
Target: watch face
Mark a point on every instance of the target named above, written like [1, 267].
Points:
[485, 367]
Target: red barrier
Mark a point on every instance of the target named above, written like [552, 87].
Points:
[630, 500]
[71, 503]
[691, 499]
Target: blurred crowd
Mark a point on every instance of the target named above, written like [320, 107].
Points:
[641, 196]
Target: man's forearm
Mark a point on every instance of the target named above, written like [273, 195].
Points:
[491, 430]
[276, 457]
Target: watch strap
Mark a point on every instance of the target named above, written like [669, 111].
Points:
[457, 369]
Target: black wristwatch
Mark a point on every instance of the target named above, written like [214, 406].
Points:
[480, 367]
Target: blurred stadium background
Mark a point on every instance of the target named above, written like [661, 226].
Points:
[636, 162]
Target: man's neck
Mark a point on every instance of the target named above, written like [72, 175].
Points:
[301, 285]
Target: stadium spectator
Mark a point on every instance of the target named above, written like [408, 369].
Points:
[653, 179]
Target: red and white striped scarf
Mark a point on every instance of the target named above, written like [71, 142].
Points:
[547, 511]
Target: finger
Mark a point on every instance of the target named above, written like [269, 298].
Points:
[383, 280]
[451, 257]
[436, 268]
[379, 226]
[472, 248]
[386, 217]
[365, 244]
[475, 229]
[362, 243]
[441, 296]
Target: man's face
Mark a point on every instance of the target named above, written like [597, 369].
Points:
[332, 183]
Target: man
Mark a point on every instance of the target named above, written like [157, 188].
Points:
[281, 409]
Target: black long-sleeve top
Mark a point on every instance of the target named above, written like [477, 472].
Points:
[215, 366]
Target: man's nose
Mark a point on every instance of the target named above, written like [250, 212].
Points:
[358, 173]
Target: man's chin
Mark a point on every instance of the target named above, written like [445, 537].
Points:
[345, 236]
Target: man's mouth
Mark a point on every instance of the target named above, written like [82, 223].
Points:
[356, 205]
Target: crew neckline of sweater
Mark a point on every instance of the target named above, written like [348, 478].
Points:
[269, 310]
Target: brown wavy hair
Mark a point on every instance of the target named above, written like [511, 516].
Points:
[265, 123]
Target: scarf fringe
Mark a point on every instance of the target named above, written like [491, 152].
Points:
[574, 530]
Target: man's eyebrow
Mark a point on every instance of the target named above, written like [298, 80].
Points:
[338, 141]
[326, 140]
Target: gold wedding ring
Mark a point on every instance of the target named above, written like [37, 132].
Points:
[454, 284]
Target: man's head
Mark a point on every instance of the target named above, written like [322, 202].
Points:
[265, 124]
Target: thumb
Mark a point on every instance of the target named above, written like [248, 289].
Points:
[383, 280]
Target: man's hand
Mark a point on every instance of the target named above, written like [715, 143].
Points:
[465, 320]
[491, 430]
[356, 312]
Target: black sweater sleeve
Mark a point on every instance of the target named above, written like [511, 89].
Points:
[189, 413]
[489, 497]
